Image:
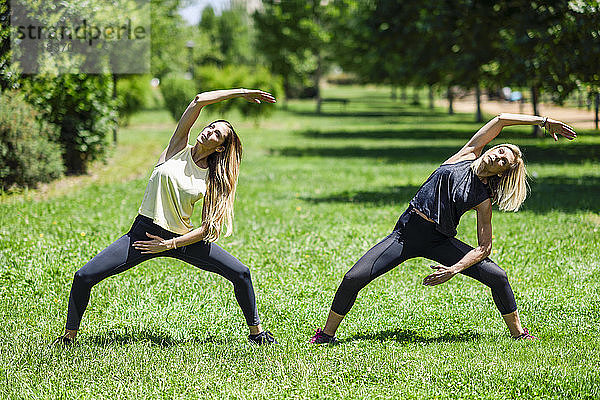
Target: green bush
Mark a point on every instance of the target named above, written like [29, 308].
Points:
[28, 154]
[133, 94]
[83, 108]
[177, 93]
[239, 76]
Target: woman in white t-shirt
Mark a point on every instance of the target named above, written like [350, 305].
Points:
[207, 170]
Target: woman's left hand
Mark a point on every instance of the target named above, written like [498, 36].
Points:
[556, 127]
[258, 96]
[441, 275]
[156, 245]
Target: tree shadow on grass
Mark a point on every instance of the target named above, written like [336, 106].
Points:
[534, 153]
[564, 194]
[547, 194]
[410, 336]
[380, 112]
[388, 154]
[411, 133]
[160, 339]
[383, 196]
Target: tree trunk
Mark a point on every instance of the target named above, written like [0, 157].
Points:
[534, 102]
[478, 116]
[597, 98]
[114, 96]
[521, 105]
[416, 101]
[403, 94]
[318, 81]
[450, 96]
[431, 104]
[394, 93]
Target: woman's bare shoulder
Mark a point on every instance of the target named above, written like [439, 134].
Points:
[458, 157]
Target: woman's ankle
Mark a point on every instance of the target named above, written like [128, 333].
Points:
[513, 323]
[329, 332]
[333, 323]
[255, 329]
[70, 334]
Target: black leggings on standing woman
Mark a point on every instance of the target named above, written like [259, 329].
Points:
[412, 237]
[121, 255]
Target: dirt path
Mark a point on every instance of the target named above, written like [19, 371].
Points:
[577, 118]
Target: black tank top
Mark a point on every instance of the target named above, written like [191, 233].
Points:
[448, 193]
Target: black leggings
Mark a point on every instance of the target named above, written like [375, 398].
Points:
[121, 255]
[412, 237]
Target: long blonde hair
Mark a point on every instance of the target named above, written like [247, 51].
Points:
[510, 188]
[223, 171]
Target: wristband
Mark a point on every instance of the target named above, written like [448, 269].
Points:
[543, 125]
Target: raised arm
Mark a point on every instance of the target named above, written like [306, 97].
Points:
[489, 131]
[181, 136]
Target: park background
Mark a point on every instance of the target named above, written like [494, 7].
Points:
[373, 96]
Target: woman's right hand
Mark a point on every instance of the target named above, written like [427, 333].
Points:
[556, 127]
[258, 96]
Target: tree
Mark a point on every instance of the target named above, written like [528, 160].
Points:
[530, 36]
[169, 36]
[294, 38]
[476, 42]
[380, 44]
[227, 39]
[8, 73]
[580, 39]
[84, 110]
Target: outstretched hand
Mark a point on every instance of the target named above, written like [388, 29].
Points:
[258, 96]
[156, 245]
[441, 275]
[555, 127]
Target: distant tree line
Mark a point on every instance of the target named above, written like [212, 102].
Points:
[546, 46]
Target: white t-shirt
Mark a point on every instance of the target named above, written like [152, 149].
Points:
[173, 189]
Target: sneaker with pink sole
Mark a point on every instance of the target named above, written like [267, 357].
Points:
[525, 336]
[321, 337]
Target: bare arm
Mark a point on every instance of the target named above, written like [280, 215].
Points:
[253, 96]
[489, 131]
[484, 239]
[181, 136]
[157, 244]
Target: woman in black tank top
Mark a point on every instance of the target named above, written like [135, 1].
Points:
[467, 180]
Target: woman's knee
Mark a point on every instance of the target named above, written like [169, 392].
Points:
[241, 276]
[355, 280]
[85, 278]
[495, 275]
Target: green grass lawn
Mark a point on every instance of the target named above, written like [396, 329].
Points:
[315, 193]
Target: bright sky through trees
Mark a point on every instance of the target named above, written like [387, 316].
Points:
[192, 12]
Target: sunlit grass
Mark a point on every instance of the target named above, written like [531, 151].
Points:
[316, 192]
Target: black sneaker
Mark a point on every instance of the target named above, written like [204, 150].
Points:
[321, 337]
[265, 337]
